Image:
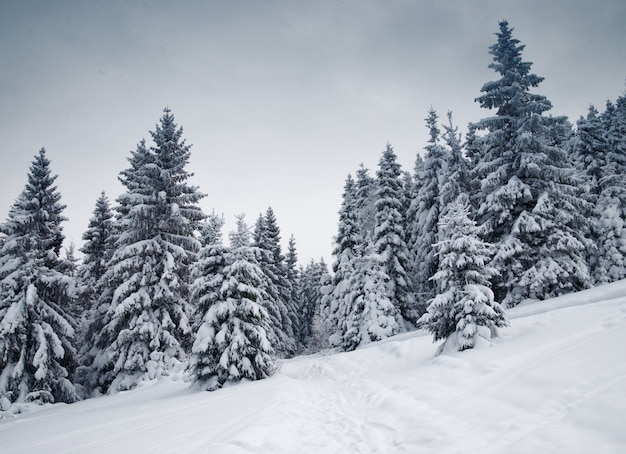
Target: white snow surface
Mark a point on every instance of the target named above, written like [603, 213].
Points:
[553, 382]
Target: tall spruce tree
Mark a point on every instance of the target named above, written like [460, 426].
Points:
[464, 310]
[529, 201]
[231, 342]
[371, 315]
[590, 150]
[335, 303]
[208, 276]
[310, 298]
[365, 199]
[37, 353]
[144, 310]
[97, 251]
[411, 227]
[278, 289]
[429, 208]
[293, 277]
[389, 236]
[456, 179]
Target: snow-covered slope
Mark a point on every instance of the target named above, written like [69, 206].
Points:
[554, 382]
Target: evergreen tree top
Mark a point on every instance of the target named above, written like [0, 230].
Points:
[241, 236]
[388, 166]
[167, 133]
[211, 229]
[267, 235]
[159, 202]
[36, 214]
[510, 94]
[292, 254]
[100, 228]
[363, 179]
[431, 124]
[349, 188]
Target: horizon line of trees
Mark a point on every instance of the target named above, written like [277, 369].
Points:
[524, 207]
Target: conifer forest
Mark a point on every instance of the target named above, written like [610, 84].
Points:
[519, 205]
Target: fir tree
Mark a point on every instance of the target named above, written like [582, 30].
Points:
[320, 327]
[348, 246]
[231, 342]
[211, 229]
[590, 150]
[68, 266]
[97, 251]
[69, 263]
[464, 310]
[37, 355]
[427, 211]
[278, 289]
[310, 298]
[411, 227]
[208, 275]
[389, 236]
[529, 201]
[293, 277]
[365, 199]
[456, 179]
[371, 315]
[143, 309]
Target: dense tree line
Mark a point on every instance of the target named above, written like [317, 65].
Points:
[157, 290]
[524, 207]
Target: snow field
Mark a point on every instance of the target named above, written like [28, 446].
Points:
[554, 382]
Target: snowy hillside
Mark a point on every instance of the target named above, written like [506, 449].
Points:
[554, 382]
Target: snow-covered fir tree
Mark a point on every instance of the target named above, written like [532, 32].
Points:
[278, 303]
[69, 266]
[389, 236]
[456, 179]
[310, 298]
[529, 204]
[348, 247]
[97, 251]
[231, 342]
[427, 209]
[320, 327]
[293, 277]
[365, 199]
[211, 229]
[69, 262]
[208, 274]
[411, 228]
[143, 310]
[371, 314]
[37, 353]
[464, 310]
[590, 149]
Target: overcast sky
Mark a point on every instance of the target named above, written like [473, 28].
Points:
[280, 99]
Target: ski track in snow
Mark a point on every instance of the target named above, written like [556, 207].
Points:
[554, 382]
